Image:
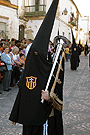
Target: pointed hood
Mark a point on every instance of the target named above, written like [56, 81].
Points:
[35, 76]
[79, 42]
[58, 32]
[86, 43]
[73, 39]
[58, 35]
[42, 38]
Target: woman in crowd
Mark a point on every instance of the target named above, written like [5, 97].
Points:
[16, 72]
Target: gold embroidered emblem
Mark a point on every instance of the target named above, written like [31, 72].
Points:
[74, 49]
[31, 82]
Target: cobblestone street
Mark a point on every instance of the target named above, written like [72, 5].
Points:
[76, 109]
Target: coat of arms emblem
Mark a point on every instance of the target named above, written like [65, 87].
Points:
[31, 82]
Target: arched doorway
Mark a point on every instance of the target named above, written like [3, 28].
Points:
[21, 32]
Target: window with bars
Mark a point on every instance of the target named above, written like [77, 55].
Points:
[21, 32]
[35, 8]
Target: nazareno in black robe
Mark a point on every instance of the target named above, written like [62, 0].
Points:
[28, 109]
[55, 123]
[74, 57]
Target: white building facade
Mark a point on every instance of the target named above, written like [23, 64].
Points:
[9, 23]
[22, 19]
[35, 11]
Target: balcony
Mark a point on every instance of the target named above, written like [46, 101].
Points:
[73, 21]
[35, 10]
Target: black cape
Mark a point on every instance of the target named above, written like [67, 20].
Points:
[28, 109]
[86, 49]
[74, 54]
[74, 57]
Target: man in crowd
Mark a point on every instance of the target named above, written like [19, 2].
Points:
[29, 44]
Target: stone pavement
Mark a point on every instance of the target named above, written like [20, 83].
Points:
[76, 109]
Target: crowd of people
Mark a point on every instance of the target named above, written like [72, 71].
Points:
[13, 54]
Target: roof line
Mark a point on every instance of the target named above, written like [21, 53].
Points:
[75, 6]
[8, 4]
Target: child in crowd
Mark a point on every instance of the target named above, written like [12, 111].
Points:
[22, 61]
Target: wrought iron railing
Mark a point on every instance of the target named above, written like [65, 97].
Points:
[35, 10]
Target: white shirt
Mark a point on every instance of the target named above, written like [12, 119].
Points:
[28, 48]
[14, 57]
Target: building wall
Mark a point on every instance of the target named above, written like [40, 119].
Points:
[85, 26]
[61, 21]
[9, 16]
[14, 2]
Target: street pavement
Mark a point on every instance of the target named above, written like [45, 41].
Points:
[76, 108]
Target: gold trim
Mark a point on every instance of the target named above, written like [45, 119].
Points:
[4, 3]
[4, 17]
[52, 113]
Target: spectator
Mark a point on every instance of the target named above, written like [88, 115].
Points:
[18, 55]
[1, 63]
[6, 57]
[1, 47]
[67, 53]
[23, 46]
[12, 45]
[29, 43]
[16, 72]
[22, 59]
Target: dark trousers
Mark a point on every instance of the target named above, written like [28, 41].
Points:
[15, 75]
[67, 56]
[6, 79]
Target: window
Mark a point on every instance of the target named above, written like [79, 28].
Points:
[2, 29]
[37, 5]
[21, 32]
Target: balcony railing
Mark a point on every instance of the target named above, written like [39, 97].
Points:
[35, 10]
[73, 21]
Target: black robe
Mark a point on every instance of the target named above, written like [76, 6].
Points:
[86, 50]
[33, 120]
[28, 109]
[80, 49]
[74, 57]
